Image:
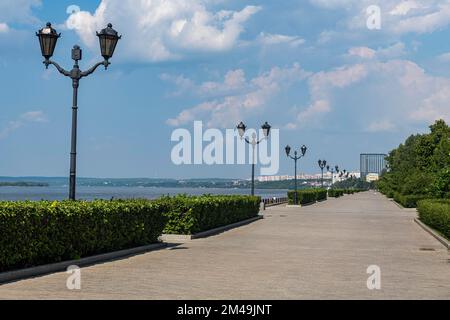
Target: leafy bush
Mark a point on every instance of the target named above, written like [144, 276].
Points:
[409, 201]
[34, 233]
[420, 166]
[353, 183]
[322, 194]
[390, 194]
[307, 196]
[441, 185]
[436, 214]
[190, 215]
[335, 193]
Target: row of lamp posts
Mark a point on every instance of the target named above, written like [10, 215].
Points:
[297, 156]
[108, 39]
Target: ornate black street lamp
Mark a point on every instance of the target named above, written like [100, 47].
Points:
[48, 38]
[333, 171]
[254, 142]
[296, 157]
[322, 165]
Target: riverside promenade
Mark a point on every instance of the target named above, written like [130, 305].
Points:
[315, 252]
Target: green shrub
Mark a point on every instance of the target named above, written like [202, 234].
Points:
[190, 215]
[436, 214]
[307, 196]
[335, 193]
[409, 201]
[322, 194]
[35, 233]
[390, 194]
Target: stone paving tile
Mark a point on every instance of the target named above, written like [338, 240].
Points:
[316, 252]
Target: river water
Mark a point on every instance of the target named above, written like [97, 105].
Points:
[90, 193]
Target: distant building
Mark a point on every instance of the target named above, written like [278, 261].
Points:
[372, 163]
[371, 177]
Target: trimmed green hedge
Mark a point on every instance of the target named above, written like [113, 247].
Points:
[190, 215]
[335, 193]
[308, 196]
[322, 194]
[409, 201]
[436, 214]
[35, 233]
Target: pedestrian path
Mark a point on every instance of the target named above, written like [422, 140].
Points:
[316, 252]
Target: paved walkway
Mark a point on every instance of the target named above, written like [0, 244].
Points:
[316, 252]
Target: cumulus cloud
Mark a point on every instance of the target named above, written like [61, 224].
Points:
[403, 8]
[362, 52]
[316, 110]
[4, 28]
[428, 22]
[394, 51]
[18, 11]
[25, 118]
[398, 17]
[377, 96]
[321, 84]
[436, 106]
[161, 30]
[244, 97]
[445, 57]
[268, 39]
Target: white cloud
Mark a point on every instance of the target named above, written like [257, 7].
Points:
[34, 116]
[339, 78]
[396, 50]
[311, 113]
[398, 17]
[380, 126]
[436, 106]
[268, 39]
[160, 30]
[4, 28]
[403, 8]
[445, 57]
[426, 23]
[378, 96]
[18, 11]
[321, 85]
[362, 52]
[333, 4]
[244, 98]
[28, 117]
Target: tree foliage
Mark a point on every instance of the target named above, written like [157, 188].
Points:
[421, 165]
[353, 183]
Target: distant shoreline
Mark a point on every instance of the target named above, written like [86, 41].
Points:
[159, 183]
[23, 184]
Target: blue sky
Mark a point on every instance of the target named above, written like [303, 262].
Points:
[312, 68]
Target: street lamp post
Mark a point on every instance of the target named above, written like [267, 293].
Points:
[254, 142]
[322, 165]
[333, 172]
[296, 157]
[48, 38]
[343, 174]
